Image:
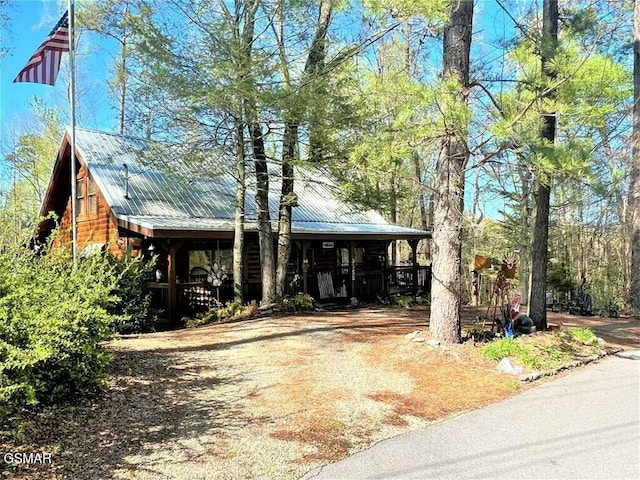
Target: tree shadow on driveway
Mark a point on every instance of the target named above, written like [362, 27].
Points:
[156, 405]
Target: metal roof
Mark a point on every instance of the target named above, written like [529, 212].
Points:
[170, 188]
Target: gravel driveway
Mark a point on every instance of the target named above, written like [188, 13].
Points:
[262, 398]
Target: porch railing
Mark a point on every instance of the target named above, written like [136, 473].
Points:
[368, 286]
[400, 280]
[159, 296]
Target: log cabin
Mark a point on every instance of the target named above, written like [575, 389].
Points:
[161, 201]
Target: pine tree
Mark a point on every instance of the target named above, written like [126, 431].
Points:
[449, 180]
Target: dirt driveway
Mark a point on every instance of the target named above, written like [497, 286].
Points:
[264, 398]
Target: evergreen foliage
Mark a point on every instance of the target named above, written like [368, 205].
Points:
[130, 307]
[52, 322]
[54, 318]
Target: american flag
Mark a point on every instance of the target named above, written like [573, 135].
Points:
[43, 66]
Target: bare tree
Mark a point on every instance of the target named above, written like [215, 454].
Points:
[449, 182]
[313, 66]
[542, 188]
[634, 191]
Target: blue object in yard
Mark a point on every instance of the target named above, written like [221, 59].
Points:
[508, 329]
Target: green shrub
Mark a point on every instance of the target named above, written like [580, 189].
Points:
[508, 347]
[52, 320]
[301, 302]
[229, 310]
[583, 335]
[407, 301]
[402, 301]
[217, 314]
[131, 300]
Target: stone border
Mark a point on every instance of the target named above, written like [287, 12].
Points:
[533, 376]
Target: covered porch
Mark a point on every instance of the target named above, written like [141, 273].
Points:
[196, 274]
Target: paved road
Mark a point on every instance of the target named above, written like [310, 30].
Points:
[584, 425]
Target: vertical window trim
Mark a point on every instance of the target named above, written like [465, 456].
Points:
[80, 197]
[92, 197]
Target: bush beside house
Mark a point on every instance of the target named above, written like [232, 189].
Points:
[53, 319]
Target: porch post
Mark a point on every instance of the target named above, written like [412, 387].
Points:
[413, 243]
[173, 292]
[385, 268]
[352, 269]
[305, 266]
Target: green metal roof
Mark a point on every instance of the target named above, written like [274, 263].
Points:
[169, 190]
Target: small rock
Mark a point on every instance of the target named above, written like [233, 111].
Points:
[412, 334]
[418, 339]
[506, 366]
[433, 343]
[530, 377]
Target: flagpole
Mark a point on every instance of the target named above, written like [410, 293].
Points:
[72, 101]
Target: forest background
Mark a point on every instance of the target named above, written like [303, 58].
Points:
[357, 88]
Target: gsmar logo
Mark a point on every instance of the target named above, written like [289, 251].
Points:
[15, 458]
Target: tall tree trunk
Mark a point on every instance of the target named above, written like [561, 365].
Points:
[288, 199]
[122, 69]
[540, 236]
[449, 185]
[622, 212]
[393, 209]
[424, 220]
[265, 235]
[315, 62]
[525, 245]
[238, 236]
[634, 196]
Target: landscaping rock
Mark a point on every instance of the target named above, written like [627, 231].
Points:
[530, 377]
[418, 339]
[433, 343]
[506, 366]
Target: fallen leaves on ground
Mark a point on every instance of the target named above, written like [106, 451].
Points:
[262, 398]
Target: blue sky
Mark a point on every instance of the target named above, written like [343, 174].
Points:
[30, 21]
[29, 24]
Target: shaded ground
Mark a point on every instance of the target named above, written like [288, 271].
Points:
[623, 332]
[271, 397]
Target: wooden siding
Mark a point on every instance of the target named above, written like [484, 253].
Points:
[92, 227]
[324, 259]
[252, 262]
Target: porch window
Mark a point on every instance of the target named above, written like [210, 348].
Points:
[343, 256]
[199, 258]
[92, 198]
[201, 261]
[80, 209]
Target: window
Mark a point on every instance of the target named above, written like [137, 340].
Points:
[210, 265]
[343, 256]
[207, 258]
[80, 210]
[92, 198]
[199, 259]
